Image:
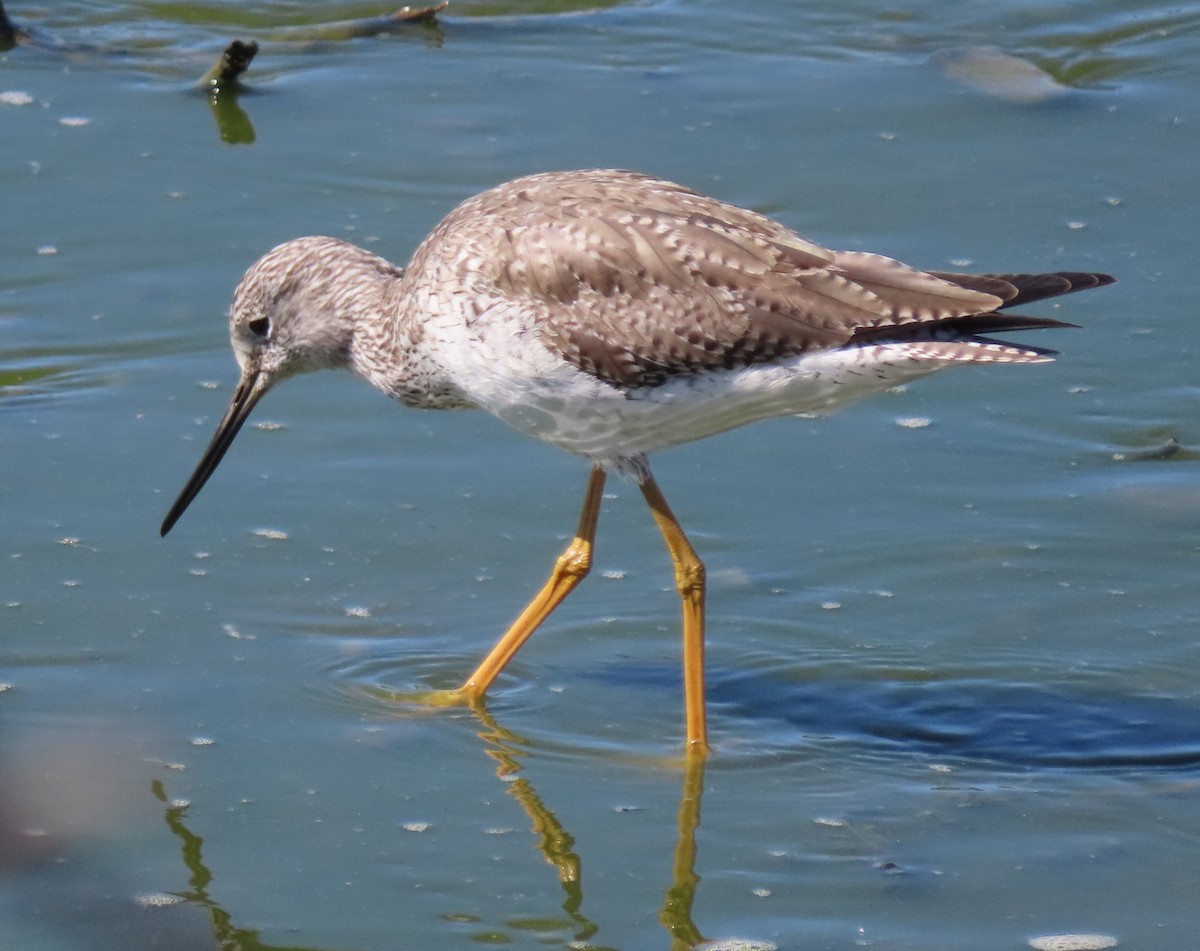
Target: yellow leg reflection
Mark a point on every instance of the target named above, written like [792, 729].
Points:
[226, 935]
[570, 569]
[557, 845]
[690, 581]
[553, 841]
[676, 913]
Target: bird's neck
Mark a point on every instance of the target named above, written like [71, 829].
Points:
[388, 348]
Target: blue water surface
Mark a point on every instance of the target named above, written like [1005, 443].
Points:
[953, 645]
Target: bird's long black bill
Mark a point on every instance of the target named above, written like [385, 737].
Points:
[249, 391]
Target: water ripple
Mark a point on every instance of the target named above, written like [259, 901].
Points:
[1021, 724]
[627, 711]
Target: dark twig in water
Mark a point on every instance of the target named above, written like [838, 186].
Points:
[223, 80]
[226, 70]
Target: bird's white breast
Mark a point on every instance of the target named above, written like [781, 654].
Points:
[500, 362]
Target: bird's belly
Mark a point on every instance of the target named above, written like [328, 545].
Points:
[607, 424]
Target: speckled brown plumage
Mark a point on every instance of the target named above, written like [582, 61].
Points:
[634, 280]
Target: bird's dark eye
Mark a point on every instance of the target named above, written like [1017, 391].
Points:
[261, 327]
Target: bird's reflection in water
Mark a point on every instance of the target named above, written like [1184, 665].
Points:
[557, 845]
[553, 841]
[225, 933]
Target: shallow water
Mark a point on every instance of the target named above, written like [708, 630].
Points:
[953, 631]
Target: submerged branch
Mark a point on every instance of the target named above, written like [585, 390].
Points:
[235, 60]
[354, 29]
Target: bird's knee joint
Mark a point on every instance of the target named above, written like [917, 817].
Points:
[575, 562]
[690, 578]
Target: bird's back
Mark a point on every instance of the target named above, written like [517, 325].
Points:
[635, 281]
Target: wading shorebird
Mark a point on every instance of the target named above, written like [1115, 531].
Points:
[613, 314]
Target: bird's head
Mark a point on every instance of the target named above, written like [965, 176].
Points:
[295, 310]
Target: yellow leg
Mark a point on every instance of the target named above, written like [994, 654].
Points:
[570, 569]
[690, 580]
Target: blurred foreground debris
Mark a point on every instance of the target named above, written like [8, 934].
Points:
[10, 34]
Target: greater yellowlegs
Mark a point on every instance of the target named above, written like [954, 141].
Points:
[613, 314]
